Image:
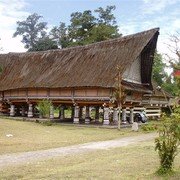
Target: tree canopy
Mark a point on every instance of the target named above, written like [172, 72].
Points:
[84, 28]
[159, 73]
[174, 61]
[170, 82]
[44, 44]
[31, 30]
[60, 35]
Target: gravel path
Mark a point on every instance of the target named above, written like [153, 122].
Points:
[25, 157]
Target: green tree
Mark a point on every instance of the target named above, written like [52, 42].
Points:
[163, 79]
[168, 141]
[31, 30]
[103, 32]
[86, 28]
[60, 35]
[80, 27]
[172, 82]
[44, 44]
[44, 108]
[106, 16]
[159, 73]
[174, 47]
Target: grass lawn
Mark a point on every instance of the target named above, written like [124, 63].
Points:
[30, 136]
[138, 161]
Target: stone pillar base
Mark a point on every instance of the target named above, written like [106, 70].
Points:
[51, 116]
[30, 115]
[12, 110]
[76, 115]
[87, 120]
[124, 116]
[106, 116]
[76, 120]
[123, 122]
[115, 116]
[106, 122]
[115, 122]
[30, 111]
[135, 126]
[131, 115]
[12, 115]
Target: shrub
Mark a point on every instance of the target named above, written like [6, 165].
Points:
[44, 108]
[149, 127]
[168, 142]
[47, 123]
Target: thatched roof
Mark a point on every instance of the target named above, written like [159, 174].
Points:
[84, 66]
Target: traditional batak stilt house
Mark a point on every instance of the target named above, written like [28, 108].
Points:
[79, 77]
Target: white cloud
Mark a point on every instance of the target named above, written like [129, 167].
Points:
[11, 11]
[152, 6]
[169, 24]
[128, 28]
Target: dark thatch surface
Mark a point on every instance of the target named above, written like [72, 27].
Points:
[84, 66]
[136, 87]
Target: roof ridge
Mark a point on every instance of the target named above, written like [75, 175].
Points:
[88, 45]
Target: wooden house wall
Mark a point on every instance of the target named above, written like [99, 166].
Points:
[134, 97]
[156, 100]
[57, 93]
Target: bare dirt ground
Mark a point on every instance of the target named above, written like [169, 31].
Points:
[27, 157]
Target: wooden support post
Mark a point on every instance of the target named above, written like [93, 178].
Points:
[131, 115]
[76, 115]
[62, 113]
[30, 111]
[87, 117]
[106, 116]
[72, 112]
[124, 116]
[80, 112]
[115, 116]
[97, 114]
[18, 111]
[12, 110]
[51, 112]
[23, 111]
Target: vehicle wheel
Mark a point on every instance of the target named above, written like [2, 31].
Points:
[144, 120]
[136, 119]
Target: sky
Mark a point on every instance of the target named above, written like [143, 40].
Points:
[132, 16]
